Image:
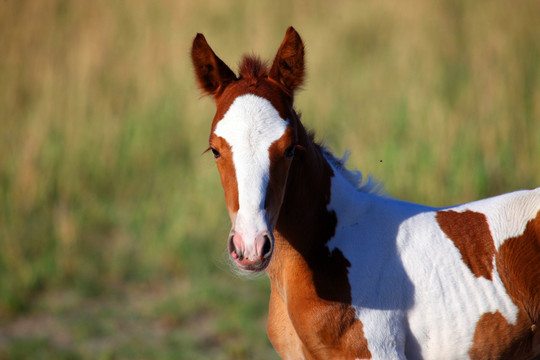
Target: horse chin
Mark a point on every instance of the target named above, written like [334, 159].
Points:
[255, 268]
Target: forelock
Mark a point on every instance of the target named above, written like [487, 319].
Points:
[253, 68]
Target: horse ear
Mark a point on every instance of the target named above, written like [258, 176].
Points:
[288, 66]
[212, 73]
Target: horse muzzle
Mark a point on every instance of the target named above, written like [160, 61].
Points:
[251, 254]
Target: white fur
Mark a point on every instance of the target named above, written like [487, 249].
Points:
[410, 287]
[250, 126]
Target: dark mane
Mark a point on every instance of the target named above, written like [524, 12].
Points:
[253, 68]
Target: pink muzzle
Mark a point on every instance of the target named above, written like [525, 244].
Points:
[251, 257]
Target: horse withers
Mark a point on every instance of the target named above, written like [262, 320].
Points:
[354, 274]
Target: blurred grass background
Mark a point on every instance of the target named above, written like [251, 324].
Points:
[113, 226]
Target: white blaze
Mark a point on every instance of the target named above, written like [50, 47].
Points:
[250, 126]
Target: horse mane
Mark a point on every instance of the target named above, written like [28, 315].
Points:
[354, 177]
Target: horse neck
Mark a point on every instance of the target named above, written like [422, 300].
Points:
[305, 224]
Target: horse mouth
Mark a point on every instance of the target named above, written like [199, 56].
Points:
[253, 268]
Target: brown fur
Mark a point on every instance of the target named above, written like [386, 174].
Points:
[211, 72]
[253, 68]
[228, 174]
[495, 338]
[470, 233]
[288, 66]
[518, 263]
[279, 171]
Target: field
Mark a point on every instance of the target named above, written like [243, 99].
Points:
[113, 225]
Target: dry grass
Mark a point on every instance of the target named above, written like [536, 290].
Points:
[101, 130]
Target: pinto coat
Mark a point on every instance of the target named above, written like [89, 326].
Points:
[355, 274]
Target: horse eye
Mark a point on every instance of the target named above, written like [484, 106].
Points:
[289, 153]
[216, 153]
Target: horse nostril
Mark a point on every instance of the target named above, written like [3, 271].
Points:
[267, 247]
[235, 254]
[233, 250]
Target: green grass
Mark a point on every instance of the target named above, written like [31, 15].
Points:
[112, 223]
[169, 319]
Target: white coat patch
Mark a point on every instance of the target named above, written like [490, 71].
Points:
[409, 285]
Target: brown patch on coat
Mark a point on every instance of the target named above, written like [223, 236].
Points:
[470, 233]
[518, 264]
[495, 338]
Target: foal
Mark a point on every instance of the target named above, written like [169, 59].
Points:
[354, 274]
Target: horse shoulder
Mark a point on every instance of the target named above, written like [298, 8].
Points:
[301, 325]
[328, 330]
